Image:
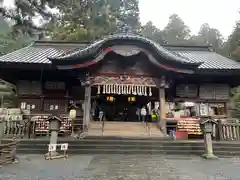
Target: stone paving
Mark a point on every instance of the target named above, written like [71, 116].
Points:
[121, 167]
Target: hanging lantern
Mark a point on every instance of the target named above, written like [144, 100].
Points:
[131, 99]
[110, 98]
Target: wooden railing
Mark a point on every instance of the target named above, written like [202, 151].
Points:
[36, 125]
[228, 130]
[15, 128]
[8, 152]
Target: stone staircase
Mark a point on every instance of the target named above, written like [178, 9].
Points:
[127, 145]
[123, 129]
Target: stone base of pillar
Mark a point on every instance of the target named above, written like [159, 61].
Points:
[209, 156]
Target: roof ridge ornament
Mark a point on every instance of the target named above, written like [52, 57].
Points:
[125, 29]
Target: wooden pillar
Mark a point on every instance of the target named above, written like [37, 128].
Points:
[228, 108]
[162, 108]
[87, 105]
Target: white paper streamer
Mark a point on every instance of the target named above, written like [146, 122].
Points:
[114, 89]
[125, 89]
[111, 88]
[134, 92]
[104, 89]
[107, 89]
[150, 91]
[145, 91]
[119, 89]
[99, 89]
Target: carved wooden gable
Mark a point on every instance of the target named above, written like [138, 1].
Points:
[131, 65]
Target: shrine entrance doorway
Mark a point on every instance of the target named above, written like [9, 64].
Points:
[120, 97]
[120, 108]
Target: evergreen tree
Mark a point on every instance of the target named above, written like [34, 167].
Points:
[176, 31]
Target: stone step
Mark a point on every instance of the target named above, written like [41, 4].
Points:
[130, 146]
[116, 125]
[123, 129]
[97, 150]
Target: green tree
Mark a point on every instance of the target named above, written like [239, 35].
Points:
[95, 18]
[209, 36]
[176, 31]
[86, 20]
[152, 32]
[127, 14]
[8, 42]
[232, 46]
[236, 99]
[23, 13]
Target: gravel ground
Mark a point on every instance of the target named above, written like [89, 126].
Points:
[121, 167]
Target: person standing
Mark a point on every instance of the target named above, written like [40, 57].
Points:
[143, 114]
[138, 114]
[101, 114]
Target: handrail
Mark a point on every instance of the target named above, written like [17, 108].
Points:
[102, 121]
[103, 124]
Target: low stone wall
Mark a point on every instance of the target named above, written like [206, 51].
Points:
[8, 151]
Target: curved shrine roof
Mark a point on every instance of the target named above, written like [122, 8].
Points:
[92, 50]
[203, 57]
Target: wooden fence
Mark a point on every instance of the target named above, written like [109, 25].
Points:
[7, 152]
[228, 130]
[36, 125]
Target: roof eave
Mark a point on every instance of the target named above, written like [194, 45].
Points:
[97, 46]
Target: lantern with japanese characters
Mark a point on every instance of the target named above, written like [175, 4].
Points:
[206, 124]
[54, 123]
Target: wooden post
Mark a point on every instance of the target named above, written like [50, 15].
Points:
[162, 109]
[2, 124]
[219, 130]
[87, 105]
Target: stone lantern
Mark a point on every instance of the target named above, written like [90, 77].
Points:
[206, 125]
[54, 127]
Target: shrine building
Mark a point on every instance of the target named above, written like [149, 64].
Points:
[120, 74]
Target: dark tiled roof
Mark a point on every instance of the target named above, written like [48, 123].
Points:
[39, 52]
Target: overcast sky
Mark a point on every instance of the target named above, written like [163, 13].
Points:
[220, 14]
